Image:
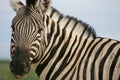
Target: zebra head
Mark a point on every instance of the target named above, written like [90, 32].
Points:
[28, 35]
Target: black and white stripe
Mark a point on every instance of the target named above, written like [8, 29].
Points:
[84, 29]
[78, 57]
[64, 47]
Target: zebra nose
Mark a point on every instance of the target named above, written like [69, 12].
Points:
[19, 70]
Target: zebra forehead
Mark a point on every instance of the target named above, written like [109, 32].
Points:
[27, 18]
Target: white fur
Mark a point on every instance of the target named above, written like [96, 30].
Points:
[16, 4]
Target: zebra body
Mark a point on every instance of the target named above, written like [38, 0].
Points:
[67, 54]
[62, 47]
[79, 58]
[95, 48]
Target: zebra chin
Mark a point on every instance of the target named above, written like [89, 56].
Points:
[19, 76]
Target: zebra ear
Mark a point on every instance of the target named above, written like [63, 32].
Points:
[16, 4]
[34, 3]
[45, 5]
[42, 5]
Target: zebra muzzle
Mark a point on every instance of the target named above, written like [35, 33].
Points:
[20, 66]
[19, 70]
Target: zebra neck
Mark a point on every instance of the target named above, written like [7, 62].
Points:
[62, 20]
[51, 28]
[59, 40]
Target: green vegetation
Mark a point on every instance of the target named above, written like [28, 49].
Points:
[6, 75]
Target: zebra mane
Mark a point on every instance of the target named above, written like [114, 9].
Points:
[86, 26]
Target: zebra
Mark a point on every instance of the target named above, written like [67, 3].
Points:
[61, 47]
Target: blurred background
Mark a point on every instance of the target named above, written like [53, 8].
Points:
[102, 15]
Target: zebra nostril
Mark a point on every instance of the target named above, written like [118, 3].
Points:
[19, 68]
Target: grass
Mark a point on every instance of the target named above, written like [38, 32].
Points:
[5, 73]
